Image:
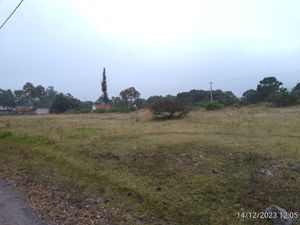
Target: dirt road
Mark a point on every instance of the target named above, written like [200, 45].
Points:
[13, 208]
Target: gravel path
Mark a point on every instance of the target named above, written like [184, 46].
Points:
[13, 208]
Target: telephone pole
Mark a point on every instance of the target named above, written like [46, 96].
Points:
[211, 93]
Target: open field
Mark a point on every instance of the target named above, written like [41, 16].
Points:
[202, 169]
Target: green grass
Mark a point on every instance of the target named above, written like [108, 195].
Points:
[202, 169]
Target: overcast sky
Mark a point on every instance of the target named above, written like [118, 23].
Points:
[157, 46]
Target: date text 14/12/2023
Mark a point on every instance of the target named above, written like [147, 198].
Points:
[267, 215]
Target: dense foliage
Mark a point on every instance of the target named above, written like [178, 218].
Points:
[130, 95]
[198, 97]
[67, 103]
[167, 109]
[104, 88]
[213, 105]
[269, 90]
[282, 99]
[268, 86]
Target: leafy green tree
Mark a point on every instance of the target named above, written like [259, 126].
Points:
[7, 98]
[269, 86]
[21, 98]
[198, 97]
[104, 88]
[60, 104]
[63, 103]
[282, 99]
[47, 99]
[153, 99]
[251, 97]
[130, 95]
[29, 89]
[296, 90]
[30, 95]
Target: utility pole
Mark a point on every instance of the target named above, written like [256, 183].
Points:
[211, 94]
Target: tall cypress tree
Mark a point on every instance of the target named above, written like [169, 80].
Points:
[104, 87]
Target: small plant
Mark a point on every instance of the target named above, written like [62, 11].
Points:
[252, 165]
[213, 105]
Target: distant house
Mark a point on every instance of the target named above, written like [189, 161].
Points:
[23, 110]
[4, 109]
[42, 111]
[102, 106]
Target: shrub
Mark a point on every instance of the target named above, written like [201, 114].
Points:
[213, 105]
[168, 109]
[282, 99]
[100, 111]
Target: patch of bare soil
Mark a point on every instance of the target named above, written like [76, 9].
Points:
[60, 204]
[14, 209]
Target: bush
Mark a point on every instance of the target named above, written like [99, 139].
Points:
[100, 111]
[282, 99]
[213, 105]
[168, 109]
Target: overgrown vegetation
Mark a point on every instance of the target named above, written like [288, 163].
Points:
[200, 170]
[169, 109]
[213, 105]
[269, 90]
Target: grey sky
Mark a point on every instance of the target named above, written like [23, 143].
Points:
[159, 47]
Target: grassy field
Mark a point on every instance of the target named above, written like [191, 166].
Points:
[202, 169]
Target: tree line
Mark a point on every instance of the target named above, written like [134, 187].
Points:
[271, 90]
[268, 89]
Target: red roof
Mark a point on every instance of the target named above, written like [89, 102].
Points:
[102, 106]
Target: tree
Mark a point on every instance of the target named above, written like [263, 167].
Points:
[200, 97]
[63, 103]
[167, 108]
[21, 98]
[48, 97]
[129, 95]
[282, 99]
[296, 90]
[117, 102]
[28, 88]
[7, 98]
[153, 99]
[251, 97]
[269, 86]
[104, 88]
[60, 104]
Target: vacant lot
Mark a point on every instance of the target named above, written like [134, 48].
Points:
[203, 169]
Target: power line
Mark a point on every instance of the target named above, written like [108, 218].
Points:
[231, 79]
[11, 14]
[252, 77]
